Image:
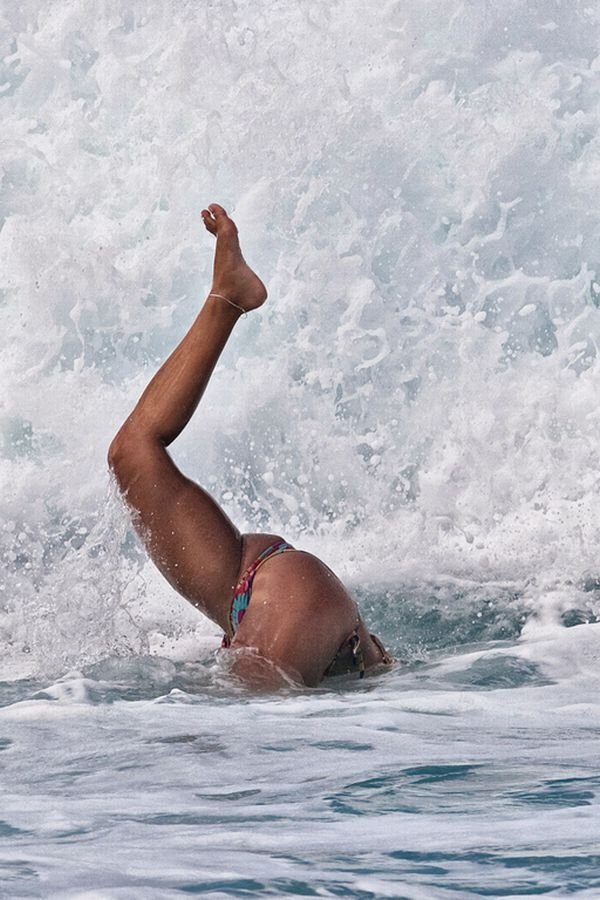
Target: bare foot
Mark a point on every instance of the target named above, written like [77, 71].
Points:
[232, 276]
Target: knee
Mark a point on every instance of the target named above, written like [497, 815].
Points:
[134, 453]
[115, 451]
[120, 454]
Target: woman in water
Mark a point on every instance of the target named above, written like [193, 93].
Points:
[284, 607]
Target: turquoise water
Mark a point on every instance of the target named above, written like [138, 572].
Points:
[468, 775]
[417, 404]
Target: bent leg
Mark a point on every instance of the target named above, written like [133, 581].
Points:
[187, 534]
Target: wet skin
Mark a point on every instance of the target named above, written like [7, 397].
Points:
[300, 612]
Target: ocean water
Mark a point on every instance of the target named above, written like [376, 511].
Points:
[418, 183]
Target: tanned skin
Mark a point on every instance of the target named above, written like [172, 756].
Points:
[300, 612]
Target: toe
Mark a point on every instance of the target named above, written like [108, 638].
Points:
[209, 222]
[217, 210]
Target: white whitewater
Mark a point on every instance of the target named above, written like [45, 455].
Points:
[418, 185]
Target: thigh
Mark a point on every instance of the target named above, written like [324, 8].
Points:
[187, 534]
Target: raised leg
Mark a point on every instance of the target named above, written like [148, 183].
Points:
[187, 534]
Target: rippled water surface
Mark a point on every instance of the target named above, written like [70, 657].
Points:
[475, 776]
[417, 404]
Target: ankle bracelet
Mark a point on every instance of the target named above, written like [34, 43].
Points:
[231, 303]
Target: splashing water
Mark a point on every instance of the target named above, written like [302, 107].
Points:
[417, 403]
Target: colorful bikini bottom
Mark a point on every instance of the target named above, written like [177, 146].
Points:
[349, 657]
